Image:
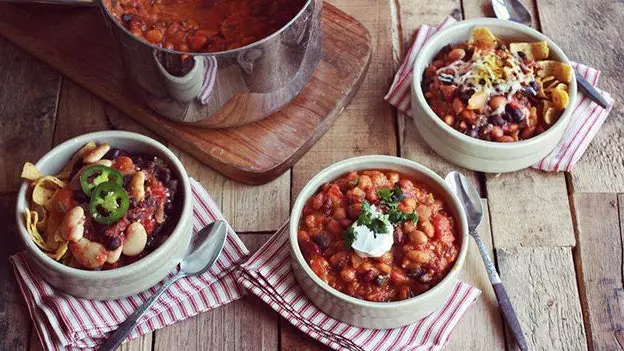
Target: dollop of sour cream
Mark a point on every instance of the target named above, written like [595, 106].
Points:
[369, 244]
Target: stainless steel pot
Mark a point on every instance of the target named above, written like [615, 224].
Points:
[222, 89]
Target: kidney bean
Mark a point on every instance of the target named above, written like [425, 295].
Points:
[321, 241]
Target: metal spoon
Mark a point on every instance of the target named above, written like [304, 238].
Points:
[202, 254]
[514, 10]
[471, 201]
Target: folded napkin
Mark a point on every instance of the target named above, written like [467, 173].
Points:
[587, 116]
[65, 322]
[268, 274]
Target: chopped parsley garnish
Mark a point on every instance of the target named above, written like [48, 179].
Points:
[375, 224]
[348, 236]
[387, 195]
[355, 182]
[391, 198]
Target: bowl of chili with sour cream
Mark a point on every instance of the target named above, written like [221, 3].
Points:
[377, 286]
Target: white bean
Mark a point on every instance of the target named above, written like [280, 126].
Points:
[89, 254]
[96, 154]
[137, 187]
[72, 227]
[136, 239]
[104, 162]
[113, 256]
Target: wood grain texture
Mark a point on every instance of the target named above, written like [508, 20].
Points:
[483, 8]
[541, 284]
[292, 339]
[28, 96]
[482, 324]
[255, 153]
[410, 16]
[590, 32]
[246, 324]
[599, 256]
[14, 318]
[529, 208]
[367, 125]
[247, 208]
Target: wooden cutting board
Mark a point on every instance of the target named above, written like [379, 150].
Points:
[77, 43]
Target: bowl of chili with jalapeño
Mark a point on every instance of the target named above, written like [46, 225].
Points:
[105, 214]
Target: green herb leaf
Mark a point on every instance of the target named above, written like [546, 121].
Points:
[389, 196]
[376, 225]
[355, 182]
[348, 236]
[366, 215]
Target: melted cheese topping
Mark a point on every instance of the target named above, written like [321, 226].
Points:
[489, 72]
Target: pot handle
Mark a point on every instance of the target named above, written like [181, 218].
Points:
[58, 2]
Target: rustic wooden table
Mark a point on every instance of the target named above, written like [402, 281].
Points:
[556, 238]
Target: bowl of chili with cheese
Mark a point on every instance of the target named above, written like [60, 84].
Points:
[492, 95]
[377, 241]
[105, 214]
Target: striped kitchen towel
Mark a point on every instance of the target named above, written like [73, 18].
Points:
[268, 274]
[587, 117]
[65, 322]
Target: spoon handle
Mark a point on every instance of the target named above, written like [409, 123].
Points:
[119, 335]
[501, 295]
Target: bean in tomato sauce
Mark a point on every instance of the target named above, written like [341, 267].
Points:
[204, 25]
[425, 238]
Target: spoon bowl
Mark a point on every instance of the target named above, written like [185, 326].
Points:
[469, 198]
[203, 251]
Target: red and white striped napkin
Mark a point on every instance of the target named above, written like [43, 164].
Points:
[586, 120]
[65, 322]
[268, 274]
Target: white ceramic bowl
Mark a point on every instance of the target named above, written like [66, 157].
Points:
[472, 153]
[361, 313]
[126, 280]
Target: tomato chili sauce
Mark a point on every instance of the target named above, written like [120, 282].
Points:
[426, 242]
[158, 212]
[487, 93]
[203, 25]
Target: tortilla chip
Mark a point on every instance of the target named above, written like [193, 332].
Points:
[534, 51]
[561, 71]
[483, 37]
[31, 227]
[560, 99]
[45, 188]
[43, 217]
[30, 172]
[550, 115]
[551, 84]
[69, 167]
[59, 252]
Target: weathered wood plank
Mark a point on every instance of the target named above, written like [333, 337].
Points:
[143, 343]
[485, 313]
[483, 8]
[28, 96]
[590, 32]
[410, 15]
[247, 208]
[14, 319]
[541, 284]
[292, 338]
[82, 112]
[599, 267]
[367, 125]
[247, 324]
[529, 208]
